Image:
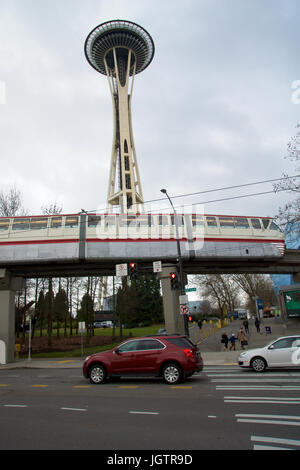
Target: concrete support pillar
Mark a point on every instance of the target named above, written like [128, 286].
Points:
[296, 278]
[173, 319]
[8, 286]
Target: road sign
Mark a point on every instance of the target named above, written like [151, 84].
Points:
[184, 309]
[183, 300]
[121, 270]
[81, 326]
[157, 267]
[191, 289]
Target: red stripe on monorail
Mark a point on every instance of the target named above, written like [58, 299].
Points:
[39, 242]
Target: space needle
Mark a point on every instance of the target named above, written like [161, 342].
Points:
[121, 49]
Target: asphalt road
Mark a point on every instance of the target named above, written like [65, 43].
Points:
[222, 408]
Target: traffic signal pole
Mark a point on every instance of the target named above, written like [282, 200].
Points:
[180, 270]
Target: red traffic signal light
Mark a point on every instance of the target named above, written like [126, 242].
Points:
[132, 271]
[174, 281]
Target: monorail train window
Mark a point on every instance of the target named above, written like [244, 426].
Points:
[144, 220]
[163, 220]
[56, 222]
[38, 223]
[127, 221]
[265, 223]
[21, 224]
[197, 220]
[93, 220]
[180, 219]
[109, 220]
[71, 222]
[256, 224]
[241, 222]
[4, 224]
[211, 222]
[273, 226]
[226, 222]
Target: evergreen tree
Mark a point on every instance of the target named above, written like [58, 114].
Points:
[40, 310]
[60, 308]
[140, 303]
[86, 313]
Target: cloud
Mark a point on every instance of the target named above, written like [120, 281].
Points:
[213, 109]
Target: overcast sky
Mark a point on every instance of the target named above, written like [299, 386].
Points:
[213, 109]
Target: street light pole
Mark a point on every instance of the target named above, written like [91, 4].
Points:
[186, 328]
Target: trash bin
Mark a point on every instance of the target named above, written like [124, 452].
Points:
[268, 330]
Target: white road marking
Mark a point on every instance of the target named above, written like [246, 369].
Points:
[73, 409]
[15, 406]
[275, 440]
[269, 419]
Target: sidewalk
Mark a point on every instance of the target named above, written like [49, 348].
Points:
[211, 347]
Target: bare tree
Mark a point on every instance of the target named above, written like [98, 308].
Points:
[290, 212]
[52, 209]
[220, 290]
[11, 203]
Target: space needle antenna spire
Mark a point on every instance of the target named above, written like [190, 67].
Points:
[121, 49]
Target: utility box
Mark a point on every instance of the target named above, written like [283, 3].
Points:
[2, 352]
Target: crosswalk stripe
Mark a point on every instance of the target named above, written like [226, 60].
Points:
[276, 440]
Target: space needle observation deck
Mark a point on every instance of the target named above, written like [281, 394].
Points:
[121, 49]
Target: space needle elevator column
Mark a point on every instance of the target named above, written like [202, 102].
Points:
[121, 49]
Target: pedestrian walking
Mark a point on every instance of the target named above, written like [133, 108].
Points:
[224, 340]
[257, 324]
[232, 341]
[200, 324]
[242, 338]
[246, 326]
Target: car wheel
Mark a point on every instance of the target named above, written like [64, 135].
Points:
[97, 374]
[172, 374]
[258, 364]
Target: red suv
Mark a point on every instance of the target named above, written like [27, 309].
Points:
[172, 357]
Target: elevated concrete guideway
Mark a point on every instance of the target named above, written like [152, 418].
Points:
[12, 275]
[288, 264]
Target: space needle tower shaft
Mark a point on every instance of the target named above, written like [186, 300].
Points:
[120, 50]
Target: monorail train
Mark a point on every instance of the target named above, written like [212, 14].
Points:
[96, 237]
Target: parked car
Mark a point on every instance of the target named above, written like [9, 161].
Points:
[162, 331]
[283, 352]
[172, 357]
[103, 324]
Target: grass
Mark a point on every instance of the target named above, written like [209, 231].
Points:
[87, 350]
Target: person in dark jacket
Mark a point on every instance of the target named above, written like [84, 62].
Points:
[224, 340]
[257, 324]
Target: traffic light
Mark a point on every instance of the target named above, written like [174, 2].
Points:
[132, 271]
[174, 281]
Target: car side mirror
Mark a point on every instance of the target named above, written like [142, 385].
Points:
[271, 347]
[116, 351]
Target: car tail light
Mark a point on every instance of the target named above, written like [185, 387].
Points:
[189, 352]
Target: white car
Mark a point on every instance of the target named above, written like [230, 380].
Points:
[282, 352]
